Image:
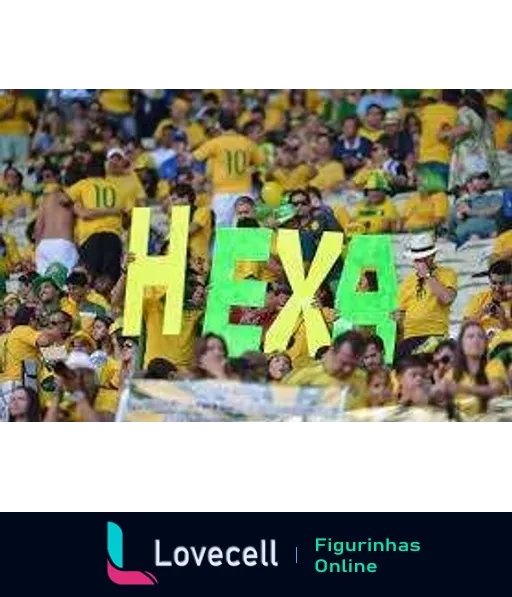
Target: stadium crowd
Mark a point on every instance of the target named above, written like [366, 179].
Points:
[77, 161]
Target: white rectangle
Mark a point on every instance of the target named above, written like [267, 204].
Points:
[433, 494]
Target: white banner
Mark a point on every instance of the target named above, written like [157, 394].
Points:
[216, 401]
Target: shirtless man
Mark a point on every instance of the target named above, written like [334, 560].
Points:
[54, 226]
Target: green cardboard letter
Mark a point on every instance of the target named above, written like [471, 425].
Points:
[232, 245]
[375, 253]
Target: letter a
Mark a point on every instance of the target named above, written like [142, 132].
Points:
[160, 270]
[304, 289]
[374, 253]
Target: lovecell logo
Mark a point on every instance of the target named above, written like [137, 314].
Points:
[265, 554]
[115, 561]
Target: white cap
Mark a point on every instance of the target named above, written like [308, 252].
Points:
[115, 151]
[79, 360]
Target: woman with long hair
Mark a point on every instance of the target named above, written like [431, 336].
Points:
[472, 137]
[100, 334]
[210, 358]
[472, 381]
[24, 406]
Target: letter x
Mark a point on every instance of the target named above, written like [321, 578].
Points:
[304, 289]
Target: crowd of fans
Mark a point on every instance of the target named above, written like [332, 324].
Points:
[77, 161]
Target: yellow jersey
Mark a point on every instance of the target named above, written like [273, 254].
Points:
[96, 193]
[178, 349]
[129, 189]
[328, 176]
[316, 375]
[376, 218]
[474, 308]
[17, 109]
[115, 101]
[422, 212]
[293, 178]
[16, 204]
[434, 118]
[230, 160]
[20, 345]
[424, 314]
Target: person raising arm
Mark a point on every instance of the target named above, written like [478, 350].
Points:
[444, 294]
[425, 297]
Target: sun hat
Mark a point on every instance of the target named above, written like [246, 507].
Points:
[421, 246]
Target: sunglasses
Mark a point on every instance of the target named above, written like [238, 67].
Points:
[128, 345]
[443, 360]
[299, 203]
